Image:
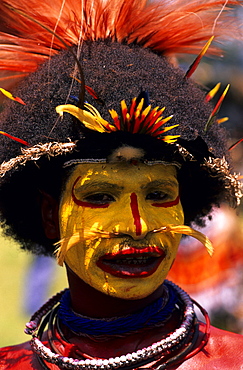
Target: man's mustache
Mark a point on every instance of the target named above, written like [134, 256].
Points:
[94, 233]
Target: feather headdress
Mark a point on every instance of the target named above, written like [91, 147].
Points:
[123, 47]
[166, 27]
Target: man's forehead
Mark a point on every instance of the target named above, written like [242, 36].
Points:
[118, 174]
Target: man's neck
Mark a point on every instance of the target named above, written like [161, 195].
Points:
[90, 302]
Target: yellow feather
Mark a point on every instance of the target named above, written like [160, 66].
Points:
[170, 138]
[165, 129]
[140, 105]
[91, 121]
[187, 230]
[146, 110]
[113, 114]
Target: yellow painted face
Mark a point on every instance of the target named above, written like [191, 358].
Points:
[108, 213]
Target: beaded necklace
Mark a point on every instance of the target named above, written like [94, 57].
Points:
[152, 354]
[155, 314]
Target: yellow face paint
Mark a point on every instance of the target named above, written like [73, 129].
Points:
[108, 213]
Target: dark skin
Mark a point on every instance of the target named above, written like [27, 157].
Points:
[84, 300]
[107, 306]
[222, 351]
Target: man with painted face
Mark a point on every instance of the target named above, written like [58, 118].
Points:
[102, 198]
[110, 194]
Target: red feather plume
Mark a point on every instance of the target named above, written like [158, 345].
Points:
[167, 27]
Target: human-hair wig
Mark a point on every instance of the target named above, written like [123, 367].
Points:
[120, 61]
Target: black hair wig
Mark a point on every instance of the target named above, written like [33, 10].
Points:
[115, 72]
[119, 59]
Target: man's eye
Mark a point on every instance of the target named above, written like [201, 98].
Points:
[99, 198]
[157, 196]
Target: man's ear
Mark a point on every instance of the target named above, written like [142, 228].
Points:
[50, 218]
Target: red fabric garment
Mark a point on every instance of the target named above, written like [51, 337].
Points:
[223, 351]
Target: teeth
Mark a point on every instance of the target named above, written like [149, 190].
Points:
[131, 261]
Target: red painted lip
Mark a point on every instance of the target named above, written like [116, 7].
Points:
[132, 262]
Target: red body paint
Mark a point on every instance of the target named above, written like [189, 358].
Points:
[167, 204]
[86, 204]
[135, 213]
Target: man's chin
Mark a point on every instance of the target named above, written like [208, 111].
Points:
[129, 289]
[130, 283]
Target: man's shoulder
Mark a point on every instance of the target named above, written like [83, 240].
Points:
[226, 344]
[17, 357]
[223, 351]
[227, 341]
[219, 333]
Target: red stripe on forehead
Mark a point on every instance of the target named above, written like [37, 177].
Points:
[135, 213]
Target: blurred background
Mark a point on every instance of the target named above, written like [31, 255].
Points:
[27, 282]
[217, 283]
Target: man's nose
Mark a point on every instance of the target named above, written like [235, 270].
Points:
[133, 221]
